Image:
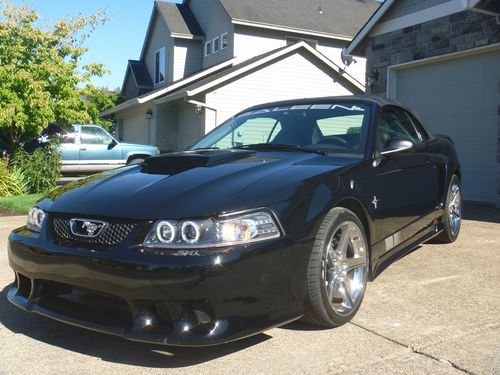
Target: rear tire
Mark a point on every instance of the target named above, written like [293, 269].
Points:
[337, 271]
[452, 217]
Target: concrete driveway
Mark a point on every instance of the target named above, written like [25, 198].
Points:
[434, 311]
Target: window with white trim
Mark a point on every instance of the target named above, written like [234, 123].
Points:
[160, 65]
[224, 41]
[208, 47]
[215, 44]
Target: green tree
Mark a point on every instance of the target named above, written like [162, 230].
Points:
[40, 72]
[98, 100]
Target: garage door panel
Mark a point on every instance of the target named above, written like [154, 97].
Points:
[459, 97]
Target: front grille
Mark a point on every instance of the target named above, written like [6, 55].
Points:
[113, 234]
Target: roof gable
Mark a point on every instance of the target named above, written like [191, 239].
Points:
[340, 18]
[180, 20]
[233, 69]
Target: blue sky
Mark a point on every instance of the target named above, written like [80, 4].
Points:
[112, 44]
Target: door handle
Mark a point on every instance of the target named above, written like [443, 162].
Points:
[83, 149]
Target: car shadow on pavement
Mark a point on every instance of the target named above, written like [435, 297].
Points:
[480, 212]
[110, 348]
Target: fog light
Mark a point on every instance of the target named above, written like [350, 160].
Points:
[190, 232]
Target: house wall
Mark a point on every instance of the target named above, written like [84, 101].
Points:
[166, 128]
[214, 21]
[186, 58]
[249, 42]
[159, 38]
[453, 33]
[291, 78]
[136, 128]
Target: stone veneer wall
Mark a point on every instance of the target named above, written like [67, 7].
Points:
[453, 33]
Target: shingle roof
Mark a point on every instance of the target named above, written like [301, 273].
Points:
[179, 18]
[141, 75]
[337, 17]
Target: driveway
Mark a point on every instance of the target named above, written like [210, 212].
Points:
[434, 311]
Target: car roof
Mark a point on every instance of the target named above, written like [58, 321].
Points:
[380, 101]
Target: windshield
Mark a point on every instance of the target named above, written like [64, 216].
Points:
[334, 128]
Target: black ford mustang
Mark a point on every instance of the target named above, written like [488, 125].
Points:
[285, 211]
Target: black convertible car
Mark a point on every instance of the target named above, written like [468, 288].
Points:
[284, 211]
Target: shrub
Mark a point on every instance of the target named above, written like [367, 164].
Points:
[39, 170]
[10, 183]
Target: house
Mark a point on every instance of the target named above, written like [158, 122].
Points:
[442, 58]
[205, 60]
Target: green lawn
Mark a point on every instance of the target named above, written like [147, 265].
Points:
[21, 203]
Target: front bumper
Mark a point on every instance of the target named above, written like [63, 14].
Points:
[186, 298]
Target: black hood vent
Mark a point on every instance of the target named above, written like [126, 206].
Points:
[178, 162]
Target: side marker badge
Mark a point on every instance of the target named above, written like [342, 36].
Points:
[375, 202]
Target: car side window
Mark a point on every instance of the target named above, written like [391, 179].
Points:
[68, 138]
[394, 123]
[91, 135]
[423, 135]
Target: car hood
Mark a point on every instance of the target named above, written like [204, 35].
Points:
[193, 184]
[134, 146]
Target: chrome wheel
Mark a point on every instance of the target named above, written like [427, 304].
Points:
[455, 209]
[345, 267]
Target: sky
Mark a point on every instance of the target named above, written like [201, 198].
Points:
[113, 43]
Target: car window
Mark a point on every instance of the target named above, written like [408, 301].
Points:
[394, 123]
[68, 138]
[336, 127]
[422, 133]
[94, 136]
[255, 130]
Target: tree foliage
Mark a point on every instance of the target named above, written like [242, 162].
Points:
[40, 72]
[98, 100]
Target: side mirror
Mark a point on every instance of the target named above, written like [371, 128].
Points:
[396, 146]
[112, 144]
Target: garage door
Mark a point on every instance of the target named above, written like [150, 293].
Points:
[460, 98]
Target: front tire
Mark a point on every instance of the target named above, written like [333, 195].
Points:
[337, 270]
[452, 218]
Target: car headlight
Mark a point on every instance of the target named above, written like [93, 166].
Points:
[36, 218]
[228, 230]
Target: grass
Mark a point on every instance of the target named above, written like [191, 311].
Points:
[19, 204]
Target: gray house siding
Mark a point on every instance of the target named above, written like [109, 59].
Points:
[187, 58]
[214, 21]
[405, 7]
[160, 38]
[453, 33]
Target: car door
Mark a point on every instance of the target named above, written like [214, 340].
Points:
[98, 149]
[70, 150]
[402, 187]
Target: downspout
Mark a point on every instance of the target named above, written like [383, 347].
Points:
[200, 105]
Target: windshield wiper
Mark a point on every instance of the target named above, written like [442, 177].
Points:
[278, 147]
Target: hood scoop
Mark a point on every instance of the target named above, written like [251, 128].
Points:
[178, 162]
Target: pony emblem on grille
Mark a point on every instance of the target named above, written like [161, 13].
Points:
[87, 228]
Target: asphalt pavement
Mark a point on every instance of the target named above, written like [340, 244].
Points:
[435, 311]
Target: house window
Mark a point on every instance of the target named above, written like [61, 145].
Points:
[160, 66]
[224, 41]
[208, 48]
[215, 45]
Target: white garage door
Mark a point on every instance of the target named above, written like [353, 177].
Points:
[460, 98]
